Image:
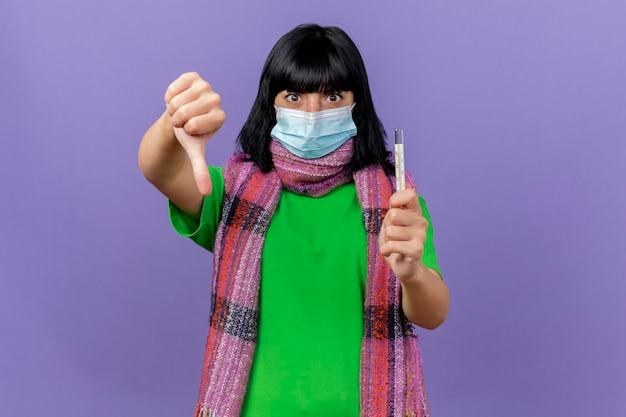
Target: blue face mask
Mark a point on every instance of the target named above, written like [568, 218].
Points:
[313, 135]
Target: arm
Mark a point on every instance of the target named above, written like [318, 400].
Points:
[425, 297]
[171, 153]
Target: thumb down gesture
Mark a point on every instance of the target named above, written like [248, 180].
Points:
[196, 114]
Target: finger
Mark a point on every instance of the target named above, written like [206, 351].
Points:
[207, 112]
[403, 233]
[405, 199]
[177, 86]
[405, 217]
[406, 249]
[393, 248]
[181, 84]
[200, 170]
[197, 90]
[206, 124]
[399, 217]
[182, 99]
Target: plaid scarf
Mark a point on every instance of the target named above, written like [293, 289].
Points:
[391, 372]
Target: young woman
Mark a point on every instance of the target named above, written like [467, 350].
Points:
[321, 266]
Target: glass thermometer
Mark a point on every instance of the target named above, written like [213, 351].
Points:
[399, 152]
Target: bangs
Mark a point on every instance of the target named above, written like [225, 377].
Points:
[315, 76]
[315, 66]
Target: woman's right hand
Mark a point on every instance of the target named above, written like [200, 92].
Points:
[195, 113]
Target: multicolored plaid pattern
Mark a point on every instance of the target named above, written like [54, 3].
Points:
[391, 372]
[392, 382]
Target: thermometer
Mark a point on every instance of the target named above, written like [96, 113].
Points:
[399, 152]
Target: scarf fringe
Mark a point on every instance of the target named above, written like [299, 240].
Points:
[203, 411]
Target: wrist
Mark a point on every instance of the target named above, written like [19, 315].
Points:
[160, 154]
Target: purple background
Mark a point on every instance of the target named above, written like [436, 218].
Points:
[515, 119]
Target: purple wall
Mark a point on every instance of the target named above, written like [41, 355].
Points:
[515, 119]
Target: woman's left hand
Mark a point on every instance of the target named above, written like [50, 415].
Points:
[403, 234]
[425, 297]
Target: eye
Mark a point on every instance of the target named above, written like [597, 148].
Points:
[292, 97]
[334, 97]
